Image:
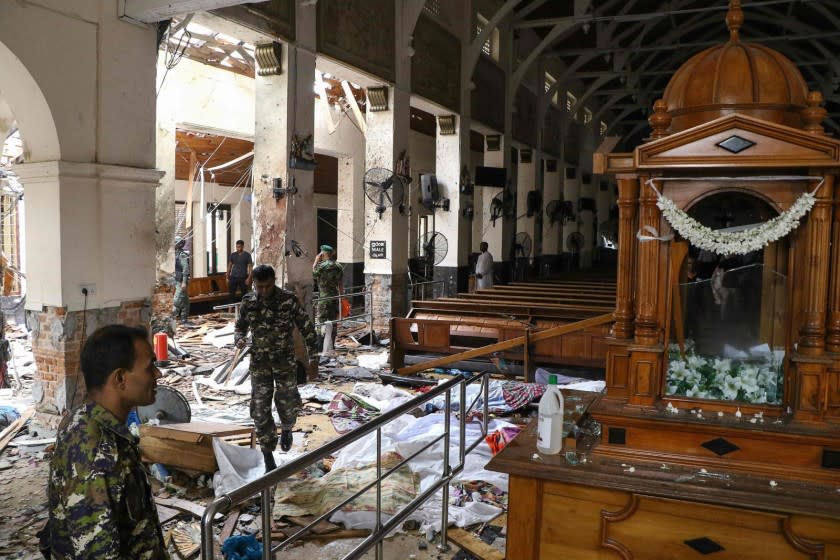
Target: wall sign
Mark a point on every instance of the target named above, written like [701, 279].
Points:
[377, 249]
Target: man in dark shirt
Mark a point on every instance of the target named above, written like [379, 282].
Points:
[100, 499]
[239, 270]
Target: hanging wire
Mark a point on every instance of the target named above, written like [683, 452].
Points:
[172, 56]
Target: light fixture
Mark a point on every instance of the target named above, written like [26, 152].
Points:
[378, 98]
[446, 124]
[269, 57]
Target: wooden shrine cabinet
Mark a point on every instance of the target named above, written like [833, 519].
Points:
[720, 422]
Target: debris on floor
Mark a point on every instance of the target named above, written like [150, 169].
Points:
[210, 451]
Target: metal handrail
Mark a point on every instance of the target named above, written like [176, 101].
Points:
[414, 285]
[367, 315]
[265, 484]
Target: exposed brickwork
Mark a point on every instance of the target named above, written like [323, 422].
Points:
[57, 337]
[162, 299]
[389, 300]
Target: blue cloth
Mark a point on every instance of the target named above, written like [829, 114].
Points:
[242, 547]
[8, 414]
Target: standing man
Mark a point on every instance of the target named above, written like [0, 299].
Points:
[270, 313]
[239, 270]
[100, 499]
[484, 268]
[181, 305]
[329, 277]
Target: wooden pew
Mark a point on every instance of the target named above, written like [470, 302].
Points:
[212, 288]
[451, 325]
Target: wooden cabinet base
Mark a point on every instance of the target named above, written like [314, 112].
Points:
[550, 520]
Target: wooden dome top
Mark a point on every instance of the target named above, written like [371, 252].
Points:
[735, 77]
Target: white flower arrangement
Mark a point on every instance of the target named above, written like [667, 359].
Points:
[758, 380]
[735, 242]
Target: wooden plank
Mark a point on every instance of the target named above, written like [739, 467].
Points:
[508, 344]
[184, 505]
[320, 528]
[166, 513]
[12, 429]
[474, 545]
[229, 526]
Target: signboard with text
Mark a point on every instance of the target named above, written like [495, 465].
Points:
[377, 249]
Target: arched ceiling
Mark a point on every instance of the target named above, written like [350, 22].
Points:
[624, 52]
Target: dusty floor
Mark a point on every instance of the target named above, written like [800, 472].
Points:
[24, 468]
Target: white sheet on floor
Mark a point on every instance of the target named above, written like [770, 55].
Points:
[240, 465]
[373, 361]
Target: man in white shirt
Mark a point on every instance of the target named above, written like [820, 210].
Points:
[484, 268]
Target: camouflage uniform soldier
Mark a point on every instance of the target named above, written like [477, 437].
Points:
[329, 277]
[181, 305]
[100, 499]
[271, 313]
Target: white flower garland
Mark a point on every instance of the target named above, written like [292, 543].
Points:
[735, 242]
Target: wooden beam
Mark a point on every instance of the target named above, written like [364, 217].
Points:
[508, 344]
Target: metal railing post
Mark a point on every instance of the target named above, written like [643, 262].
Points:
[462, 424]
[443, 546]
[379, 490]
[266, 522]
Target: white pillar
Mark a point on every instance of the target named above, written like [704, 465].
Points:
[552, 231]
[571, 193]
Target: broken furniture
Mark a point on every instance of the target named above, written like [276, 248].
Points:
[188, 445]
[446, 326]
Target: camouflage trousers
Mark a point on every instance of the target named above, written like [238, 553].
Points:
[327, 311]
[181, 304]
[278, 384]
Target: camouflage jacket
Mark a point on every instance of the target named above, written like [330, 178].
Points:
[271, 321]
[182, 267]
[100, 500]
[328, 275]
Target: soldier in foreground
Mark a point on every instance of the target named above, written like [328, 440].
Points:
[100, 500]
[329, 277]
[271, 313]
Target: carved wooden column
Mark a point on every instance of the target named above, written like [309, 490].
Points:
[832, 339]
[647, 269]
[628, 194]
[815, 287]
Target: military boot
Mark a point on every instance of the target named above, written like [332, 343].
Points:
[268, 455]
[286, 439]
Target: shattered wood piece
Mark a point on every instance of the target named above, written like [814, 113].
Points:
[229, 526]
[12, 430]
[184, 543]
[186, 506]
[474, 545]
[320, 528]
[166, 514]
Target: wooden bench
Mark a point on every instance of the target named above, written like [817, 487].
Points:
[212, 288]
[451, 325]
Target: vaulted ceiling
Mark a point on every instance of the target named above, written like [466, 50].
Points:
[625, 51]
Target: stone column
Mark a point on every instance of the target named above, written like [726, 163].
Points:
[648, 278]
[816, 262]
[387, 137]
[351, 218]
[628, 192]
[551, 230]
[451, 153]
[526, 181]
[494, 230]
[91, 227]
[586, 224]
[571, 192]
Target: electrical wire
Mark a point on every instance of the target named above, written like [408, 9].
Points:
[172, 58]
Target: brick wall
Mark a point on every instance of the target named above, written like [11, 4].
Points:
[388, 300]
[57, 337]
[162, 299]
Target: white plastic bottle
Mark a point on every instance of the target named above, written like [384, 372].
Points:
[550, 422]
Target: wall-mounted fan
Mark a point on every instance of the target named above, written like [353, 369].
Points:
[433, 247]
[574, 242]
[384, 188]
[522, 245]
[502, 205]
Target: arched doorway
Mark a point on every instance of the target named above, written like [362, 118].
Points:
[733, 311]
